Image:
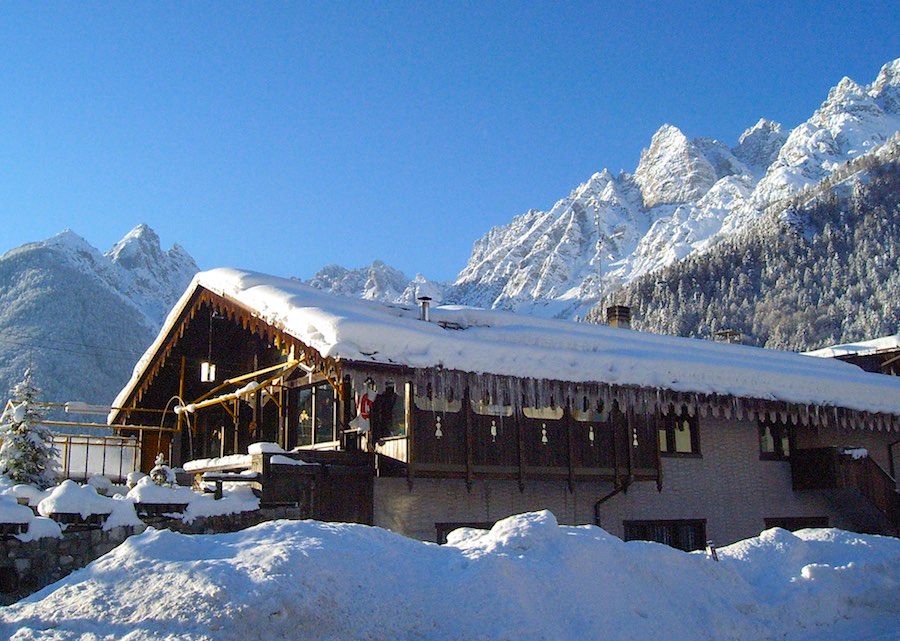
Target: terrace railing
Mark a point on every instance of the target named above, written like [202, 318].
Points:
[826, 468]
[82, 456]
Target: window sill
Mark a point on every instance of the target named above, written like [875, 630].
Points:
[681, 454]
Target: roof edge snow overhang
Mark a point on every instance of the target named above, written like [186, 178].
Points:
[223, 287]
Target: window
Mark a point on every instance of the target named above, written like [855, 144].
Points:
[585, 412]
[684, 534]
[678, 435]
[774, 440]
[794, 523]
[543, 413]
[389, 411]
[486, 409]
[316, 415]
[437, 404]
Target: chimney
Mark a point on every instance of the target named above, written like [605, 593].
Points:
[424, 301]
[618, 316]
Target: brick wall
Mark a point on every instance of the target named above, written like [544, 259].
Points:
[728, 486]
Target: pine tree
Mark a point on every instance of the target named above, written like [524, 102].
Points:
[27, 453]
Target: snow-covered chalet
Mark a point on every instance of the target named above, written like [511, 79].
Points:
[423, 420]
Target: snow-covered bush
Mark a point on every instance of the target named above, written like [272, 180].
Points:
[27, 454]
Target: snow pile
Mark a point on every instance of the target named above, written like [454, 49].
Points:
[235, 499]
[147, 491]
[38, 527]
[71, 498]
[232, 461]
[264, 447]
[24, 491]
[528, 578]
[12, 512]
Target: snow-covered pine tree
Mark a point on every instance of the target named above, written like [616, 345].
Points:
[27, 453]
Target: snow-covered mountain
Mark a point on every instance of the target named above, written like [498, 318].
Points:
[81, 318]
[684, 196]
[378, 282]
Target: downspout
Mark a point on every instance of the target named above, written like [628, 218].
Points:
[891, 459]
[604, 499]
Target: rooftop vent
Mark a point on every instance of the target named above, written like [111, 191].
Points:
[424, 313]
[618, 316]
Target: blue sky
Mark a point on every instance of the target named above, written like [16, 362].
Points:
[282, 137]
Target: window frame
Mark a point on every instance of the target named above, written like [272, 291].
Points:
[794, 523]
[677, 535]
[776, 429]
[669, 425]
[314, 403]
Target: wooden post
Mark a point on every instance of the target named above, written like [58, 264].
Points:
[179, 424]
[659, 473]
[410, 432]
[520, 431]
[570, 435]
[629, 435]
[348, 441]
[467, 408]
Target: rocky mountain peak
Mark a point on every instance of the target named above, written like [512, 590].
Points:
[673, 169]
[377, 281]
[139, 247]
[886, 88]
[758, 146]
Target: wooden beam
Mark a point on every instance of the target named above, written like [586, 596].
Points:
[570, 436]
[410, 433]
[467, 408]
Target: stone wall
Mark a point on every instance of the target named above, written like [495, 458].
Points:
[26, 567]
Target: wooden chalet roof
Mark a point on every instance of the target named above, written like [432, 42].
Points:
[501, 346]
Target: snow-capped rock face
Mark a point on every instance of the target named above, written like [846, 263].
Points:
[540, 256]
[73, 309]
[684, 196]
[853, 121]
[758, 146]
[378, 281]
[673, 169]
[151, 278]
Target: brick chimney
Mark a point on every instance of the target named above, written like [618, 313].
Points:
[618, 316]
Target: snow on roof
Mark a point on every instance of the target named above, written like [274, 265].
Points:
[488, 341]
[860, 348]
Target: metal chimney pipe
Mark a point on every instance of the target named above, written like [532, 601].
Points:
[424, 314]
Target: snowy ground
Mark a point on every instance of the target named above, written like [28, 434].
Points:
[528, 578]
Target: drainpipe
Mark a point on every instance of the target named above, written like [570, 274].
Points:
[891, 459]
[601, 501]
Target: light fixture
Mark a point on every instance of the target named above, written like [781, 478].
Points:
[207, 367]
[207, 372]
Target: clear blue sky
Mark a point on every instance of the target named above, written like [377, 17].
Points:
[282, 136]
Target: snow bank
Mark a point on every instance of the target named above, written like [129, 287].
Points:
[146, 491]
[38, 526]
[528, 578]
[232, 461]
[12, 512]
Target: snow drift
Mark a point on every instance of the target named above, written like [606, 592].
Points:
[528, 578]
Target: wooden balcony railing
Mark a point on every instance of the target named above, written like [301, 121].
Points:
[825, 468]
